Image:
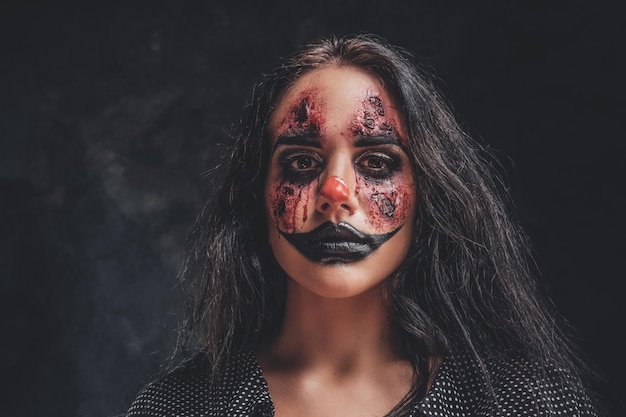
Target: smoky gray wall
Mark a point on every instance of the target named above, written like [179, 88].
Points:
[111, 111]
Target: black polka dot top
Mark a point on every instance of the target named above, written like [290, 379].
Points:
[518, 388]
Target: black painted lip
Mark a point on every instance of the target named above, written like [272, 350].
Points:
[332, 243]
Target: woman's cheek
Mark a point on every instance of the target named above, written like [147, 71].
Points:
[288, 204]
[389, 204]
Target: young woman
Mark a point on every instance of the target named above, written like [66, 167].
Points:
[359, 260]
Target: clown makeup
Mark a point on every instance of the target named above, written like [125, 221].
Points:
[340, 183]
[297, 151]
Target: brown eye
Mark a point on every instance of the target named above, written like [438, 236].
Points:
[377, 165]
[302, 162]
[375, 162]
[301, 166]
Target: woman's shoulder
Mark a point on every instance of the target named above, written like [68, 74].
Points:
[545, 387]
[182, 389]
[190, 389]
[514, 384]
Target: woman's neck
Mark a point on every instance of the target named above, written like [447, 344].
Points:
[338, 334]
[334, 357]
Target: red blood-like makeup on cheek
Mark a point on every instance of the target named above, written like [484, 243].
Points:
[285, 200]
[389, 203]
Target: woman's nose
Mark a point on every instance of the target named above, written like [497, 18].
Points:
[334, 195]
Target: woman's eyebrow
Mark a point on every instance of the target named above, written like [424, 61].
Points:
[377, 140]
[298, 140]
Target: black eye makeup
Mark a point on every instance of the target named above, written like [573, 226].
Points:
[300, 165]
[301, 159]
[303, 166]
[378, 165]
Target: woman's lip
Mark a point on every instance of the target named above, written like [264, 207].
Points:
[340, 252]
[337, 243]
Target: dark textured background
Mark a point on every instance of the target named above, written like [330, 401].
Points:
[110, 111]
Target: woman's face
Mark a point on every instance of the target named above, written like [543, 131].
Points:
[339, 192]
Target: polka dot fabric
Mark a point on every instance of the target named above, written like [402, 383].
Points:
[188, 392]
[518, 388]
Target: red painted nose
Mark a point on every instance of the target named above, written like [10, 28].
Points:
[335, 189]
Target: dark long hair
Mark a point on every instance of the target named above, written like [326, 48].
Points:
[468, 284]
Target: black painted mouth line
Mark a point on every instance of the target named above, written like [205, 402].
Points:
[334, 243]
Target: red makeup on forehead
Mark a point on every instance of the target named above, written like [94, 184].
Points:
[304, 116]
[373, 118]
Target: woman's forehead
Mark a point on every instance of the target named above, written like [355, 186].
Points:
[334, 94]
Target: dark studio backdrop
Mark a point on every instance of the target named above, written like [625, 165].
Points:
[110, 112]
